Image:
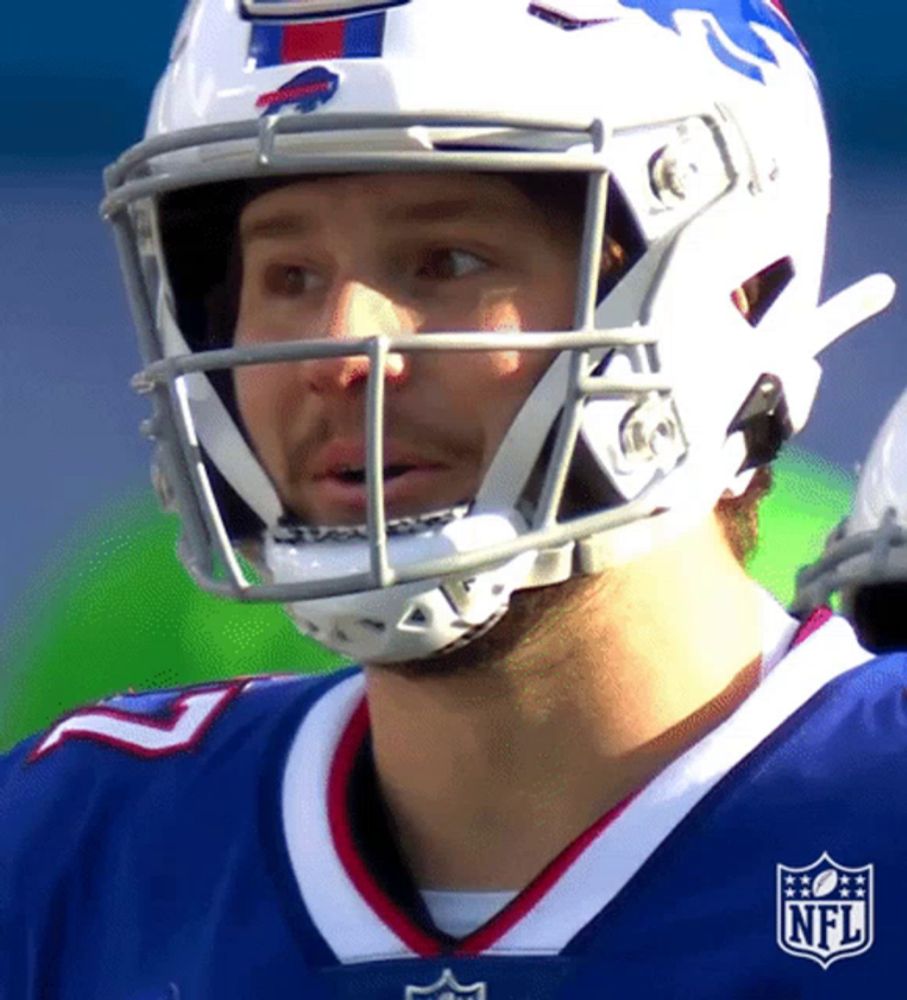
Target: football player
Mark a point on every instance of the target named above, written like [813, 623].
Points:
[470, 330]
[865, 557]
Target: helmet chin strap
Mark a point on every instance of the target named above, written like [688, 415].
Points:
[833, 318]
[848, 308]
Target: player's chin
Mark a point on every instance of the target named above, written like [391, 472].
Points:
[497, 646]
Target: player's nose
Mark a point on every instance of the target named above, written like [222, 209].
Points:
[357, 312]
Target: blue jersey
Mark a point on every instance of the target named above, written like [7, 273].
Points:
[206, 844]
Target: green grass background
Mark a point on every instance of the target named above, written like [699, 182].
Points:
[117, 612]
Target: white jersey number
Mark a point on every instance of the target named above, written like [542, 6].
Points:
[180, 727]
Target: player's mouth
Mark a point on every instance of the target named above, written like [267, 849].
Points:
[408, 490]
[340, 486]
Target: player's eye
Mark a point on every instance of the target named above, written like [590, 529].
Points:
[448, 265]
[291, 280]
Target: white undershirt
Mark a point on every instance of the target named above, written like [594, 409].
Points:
[459, 914]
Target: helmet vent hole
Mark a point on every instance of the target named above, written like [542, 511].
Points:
[417, 619]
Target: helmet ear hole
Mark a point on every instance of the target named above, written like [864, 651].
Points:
[759, 293]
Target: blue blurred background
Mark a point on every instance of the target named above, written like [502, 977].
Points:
[74, 84]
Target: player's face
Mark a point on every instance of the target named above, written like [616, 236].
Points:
[351, 257]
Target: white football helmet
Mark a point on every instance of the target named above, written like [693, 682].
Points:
[865, 557]
[698, 124]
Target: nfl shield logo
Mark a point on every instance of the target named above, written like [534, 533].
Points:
[825, 910]
[447, 988]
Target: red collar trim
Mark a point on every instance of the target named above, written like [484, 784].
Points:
[338, 818]
[422, 943]
[819, 617]
[486, 937]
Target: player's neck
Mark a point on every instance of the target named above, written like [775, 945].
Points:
[490, 771]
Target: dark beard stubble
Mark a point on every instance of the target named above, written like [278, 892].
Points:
[533, 616]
